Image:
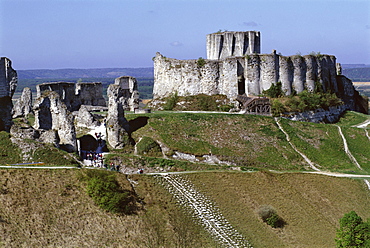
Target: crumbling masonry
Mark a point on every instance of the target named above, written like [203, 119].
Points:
[234, 66]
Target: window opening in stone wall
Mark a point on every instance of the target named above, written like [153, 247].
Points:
[221, 46]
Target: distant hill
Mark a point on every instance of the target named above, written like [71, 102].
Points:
[86, 73]
[357, 74]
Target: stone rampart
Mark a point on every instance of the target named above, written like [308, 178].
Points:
[249, 75]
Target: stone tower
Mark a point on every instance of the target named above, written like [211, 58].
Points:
[222, 45]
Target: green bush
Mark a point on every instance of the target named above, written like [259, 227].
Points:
[268, 214]
[201, 62]
[149, 147]
[353, 232]
[171, 102]
[104, 189]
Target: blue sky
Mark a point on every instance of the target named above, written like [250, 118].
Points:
[51, 34]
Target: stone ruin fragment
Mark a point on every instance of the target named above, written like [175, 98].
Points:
[8, 84]
[52, 115]
[23, 107]
[117, 126]
[129, 91]
[75, 94]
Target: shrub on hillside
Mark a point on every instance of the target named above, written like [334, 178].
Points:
[353, 232]
[148, 146]
[269, 215]
[171, 102]
[104, 189]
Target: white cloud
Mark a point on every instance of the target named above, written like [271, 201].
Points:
[176, 44]
[250, 24]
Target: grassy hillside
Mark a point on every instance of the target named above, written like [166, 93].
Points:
[250, 141]
[49, 208]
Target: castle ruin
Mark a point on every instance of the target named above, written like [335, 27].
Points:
[8, 84]
[234, 66]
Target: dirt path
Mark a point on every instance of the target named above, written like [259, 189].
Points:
[310, 163]
[203, 210]
[346, 150]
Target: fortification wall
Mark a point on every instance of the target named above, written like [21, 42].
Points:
[185, 77]
[251, 74]
[222, 45]
[296, 73]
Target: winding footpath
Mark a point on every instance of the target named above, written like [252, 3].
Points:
[203, 210]
[310, 163]
[346, 150]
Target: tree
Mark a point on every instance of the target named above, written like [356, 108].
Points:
[353, 232]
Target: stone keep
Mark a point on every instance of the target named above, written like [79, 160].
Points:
[222, 45]
[235, 67]
[8, 84]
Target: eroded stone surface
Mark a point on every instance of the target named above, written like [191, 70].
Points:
[23, 106]
[52, 114]
[8, 84]
[116, 123]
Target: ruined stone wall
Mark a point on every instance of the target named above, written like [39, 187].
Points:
[52, 114]
[185, 77]
[129, 90]
[251, 75]
[90, 94]
[296, 73]
[8, 78]
[8, 84]
[222, 45]
[74, 95]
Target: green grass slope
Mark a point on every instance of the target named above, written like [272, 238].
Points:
[252, 141]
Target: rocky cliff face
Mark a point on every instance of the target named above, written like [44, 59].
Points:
[116, 123]
[8, 84]
[23, 106]
[52, 114]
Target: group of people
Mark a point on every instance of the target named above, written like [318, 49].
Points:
[95, 158]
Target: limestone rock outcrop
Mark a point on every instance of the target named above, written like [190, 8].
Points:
[129, 90]
[23, 107]
[117, 126]
[74, 95]
[8, 84]
[52, 114]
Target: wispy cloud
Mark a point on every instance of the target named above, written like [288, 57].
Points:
[176, 44]
[250, 24]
